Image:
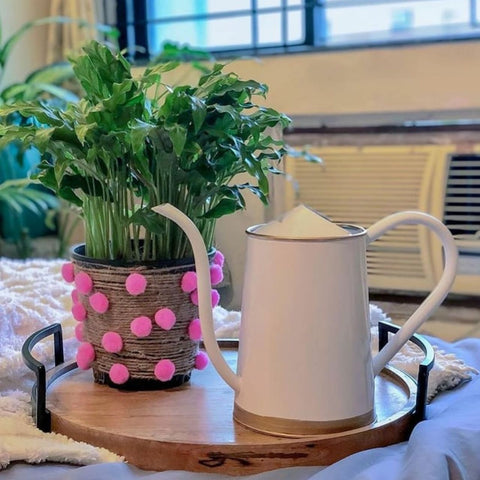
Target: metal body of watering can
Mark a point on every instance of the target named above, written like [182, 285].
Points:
[304, 360]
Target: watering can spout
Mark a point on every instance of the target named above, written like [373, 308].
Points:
[204, 288]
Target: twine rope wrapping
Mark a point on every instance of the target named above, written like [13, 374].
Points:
[140, 355]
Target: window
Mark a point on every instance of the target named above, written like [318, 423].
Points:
[228, 27]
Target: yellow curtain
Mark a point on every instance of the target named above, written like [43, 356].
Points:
[65, 38]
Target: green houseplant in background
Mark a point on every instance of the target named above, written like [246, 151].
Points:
[25, 205]
[127, 146]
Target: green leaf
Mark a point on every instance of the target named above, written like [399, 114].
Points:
[226, 206]
[14, 92]
[51, 74]
[178, 134]
[41, 112]
[82, 130]
[69, 195]
[147, 218]
[16, 194]
[173, 51]
[56, 92]
[241, 85]
[256, 191]
[212, 74]
[152, 75]
[199, 112]
[275, 171]
[12, 41]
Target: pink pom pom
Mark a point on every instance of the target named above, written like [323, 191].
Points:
[215, 298]
[195, 330]
[141, 326]
[201, 360]
[68, 273]
[216, 274]
[119, 373]
[79, 313]
[99, 302]
[85, 355]
[136, 284]
[218, 258]
[112, 342]
[74, 295]
[189, 282]
[79, 332]
[164, 370]
[84, 283]
[165, 318]
[194, 297]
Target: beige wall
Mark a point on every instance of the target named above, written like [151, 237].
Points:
[29, 53]
[429, 77]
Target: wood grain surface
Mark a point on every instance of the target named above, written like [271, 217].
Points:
[191, 427]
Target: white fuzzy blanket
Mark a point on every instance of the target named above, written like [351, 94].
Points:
[33, 295]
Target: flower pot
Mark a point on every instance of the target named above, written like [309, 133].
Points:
[135, 334]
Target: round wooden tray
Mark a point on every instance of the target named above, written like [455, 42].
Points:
[191, 427]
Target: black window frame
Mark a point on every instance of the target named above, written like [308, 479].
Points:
[133, 31]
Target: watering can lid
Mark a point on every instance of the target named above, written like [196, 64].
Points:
[301, 222]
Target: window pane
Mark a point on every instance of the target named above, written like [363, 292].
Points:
[269, 28]
[214, 6]
[296, 31]
[229, 32]
[205, 34]
[424, 17]
[269, 3]
[161, 9]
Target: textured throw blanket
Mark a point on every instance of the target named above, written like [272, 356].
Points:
[33, 295]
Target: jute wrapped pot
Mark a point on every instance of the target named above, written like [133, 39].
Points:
[145, 338]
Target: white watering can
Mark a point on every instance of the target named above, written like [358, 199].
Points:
[304, 360]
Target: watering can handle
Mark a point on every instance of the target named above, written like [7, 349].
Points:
[204, 288]
[436, 297]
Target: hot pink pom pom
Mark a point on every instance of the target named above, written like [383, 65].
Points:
[164, 370]
[141, 326]
[136, 284]
[195, 330]
[194, 297]
[79, 332]
[68, 273]
[189, 282]
[201, 360]
[112, 342]
[119, 373]
[74, 295]
[84, 283]
[99, 302]
[216, 274]
[215, 298]
[165, 318]
[79, 313]
[218, 258]
[85, 355]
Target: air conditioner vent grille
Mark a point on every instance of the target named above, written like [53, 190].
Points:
[361, 186]
[462, 205]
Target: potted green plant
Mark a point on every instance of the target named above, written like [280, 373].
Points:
[127, 146]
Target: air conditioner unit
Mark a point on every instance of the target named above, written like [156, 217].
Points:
[361, 185]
